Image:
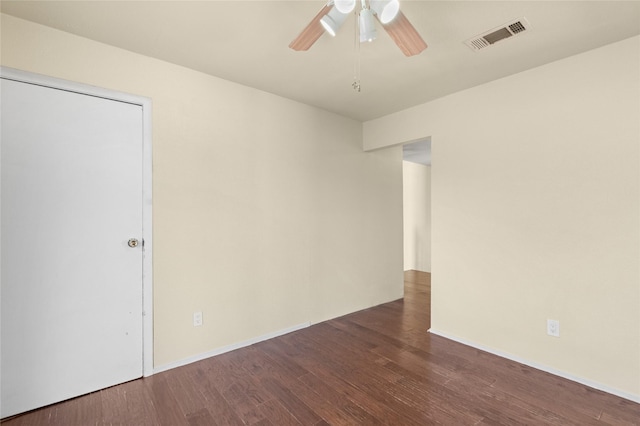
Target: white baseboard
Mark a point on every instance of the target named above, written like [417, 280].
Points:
[583, 381]
[228, 348]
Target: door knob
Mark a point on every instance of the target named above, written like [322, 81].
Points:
[133, 242]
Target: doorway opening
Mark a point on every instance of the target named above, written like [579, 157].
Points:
[416, 195]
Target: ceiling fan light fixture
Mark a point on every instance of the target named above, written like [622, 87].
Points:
[345, 6]
[367, 26]
[386, 10]
[332, 21]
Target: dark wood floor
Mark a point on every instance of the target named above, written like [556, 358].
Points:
[377, 366]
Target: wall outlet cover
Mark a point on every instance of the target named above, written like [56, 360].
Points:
[197, 319]
[553, 328]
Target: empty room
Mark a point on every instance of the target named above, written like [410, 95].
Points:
[204, 215]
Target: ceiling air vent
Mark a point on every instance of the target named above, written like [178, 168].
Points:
[507, 30]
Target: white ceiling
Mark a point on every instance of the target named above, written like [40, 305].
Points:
[418, 151]
[247, 42]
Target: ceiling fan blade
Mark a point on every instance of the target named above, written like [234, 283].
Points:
[405, 35]
[311, 33]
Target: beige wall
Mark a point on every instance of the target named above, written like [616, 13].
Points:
[267, 214]
[535, 204]
[416, 216]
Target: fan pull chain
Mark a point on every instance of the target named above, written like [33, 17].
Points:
[356, 64]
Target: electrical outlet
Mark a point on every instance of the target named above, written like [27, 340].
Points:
[197, 319]
[553, 328]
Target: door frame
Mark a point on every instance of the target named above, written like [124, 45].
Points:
[147, 187]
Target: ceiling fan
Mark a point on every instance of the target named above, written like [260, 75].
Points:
[388, 13]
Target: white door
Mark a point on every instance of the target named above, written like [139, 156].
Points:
[71, 285]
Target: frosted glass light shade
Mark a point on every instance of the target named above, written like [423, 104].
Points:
[367, 26]
[332, 21]
[345, 6]
[385, 9]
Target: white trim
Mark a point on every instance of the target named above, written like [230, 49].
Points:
[547, 369]
[229, 348]
[147, 238]
[71, 86]
[147, 262]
